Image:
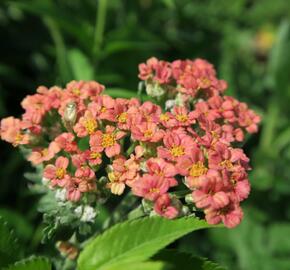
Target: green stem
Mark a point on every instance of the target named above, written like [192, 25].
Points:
[99, 27]
[268, 132]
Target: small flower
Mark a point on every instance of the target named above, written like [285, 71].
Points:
[177, 145]
[164, 207]
[57, 173]
[86, 125]
[10, 131]
[86, 213]
[150, 187]
[160, 167]
[39, 155]
[147, 132]
[107, 141]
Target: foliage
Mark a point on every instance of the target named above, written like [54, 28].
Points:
[150, 235]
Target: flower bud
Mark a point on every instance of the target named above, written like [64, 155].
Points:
[70, 116]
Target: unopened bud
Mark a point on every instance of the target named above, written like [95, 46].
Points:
[70, 116]
[67, 249]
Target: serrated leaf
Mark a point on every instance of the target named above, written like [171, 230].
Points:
[183, 260]
[9, 247]
[80, 65]
[134, 241]
[33, 263]
[23, 228]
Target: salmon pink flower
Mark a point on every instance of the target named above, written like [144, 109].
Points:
[166, 170]
[57, 174]
[86, 125]
[126, 168]
[10, 131]
[66, 142]
[177, 144]
[103, 107]
[84, 90]
[150, 187]
[182, 116]
[53, 96]
[147, 112]
[224, 157]
[193, 166]
[93, 158]
[209, 196]
[107, 141]
[146, 70]
[39, 155]
[164, 207]
[147, 132]
[231, 215]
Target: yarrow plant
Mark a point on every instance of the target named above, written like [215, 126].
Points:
[176, 151]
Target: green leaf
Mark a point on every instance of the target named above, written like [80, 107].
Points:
[124, 93]
[80, 65]
[22, 227]
[9, 247]
[140, 266]
[183, 260]
[135, 241]
[33, 263]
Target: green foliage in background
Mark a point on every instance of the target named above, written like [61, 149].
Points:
[53, 41]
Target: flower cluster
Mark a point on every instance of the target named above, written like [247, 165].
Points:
[82, 136]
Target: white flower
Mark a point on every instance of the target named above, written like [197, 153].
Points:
[60, 195]
[89, 214]
[86, 213]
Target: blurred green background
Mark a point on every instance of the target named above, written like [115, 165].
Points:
[53, 41]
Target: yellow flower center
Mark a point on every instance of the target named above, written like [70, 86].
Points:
[214, 134]
[18, 138]
[76, 91]
[90, 125]
[122, 118]
[95, 155]
[108, 140]
[205, 80]
[227, 164]
[197, 169]
[177, 151]
[164, 117]
[148, 133]
[44, 152]
[182, 118]
[60, 172]
[103, 109]
[154, 190]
